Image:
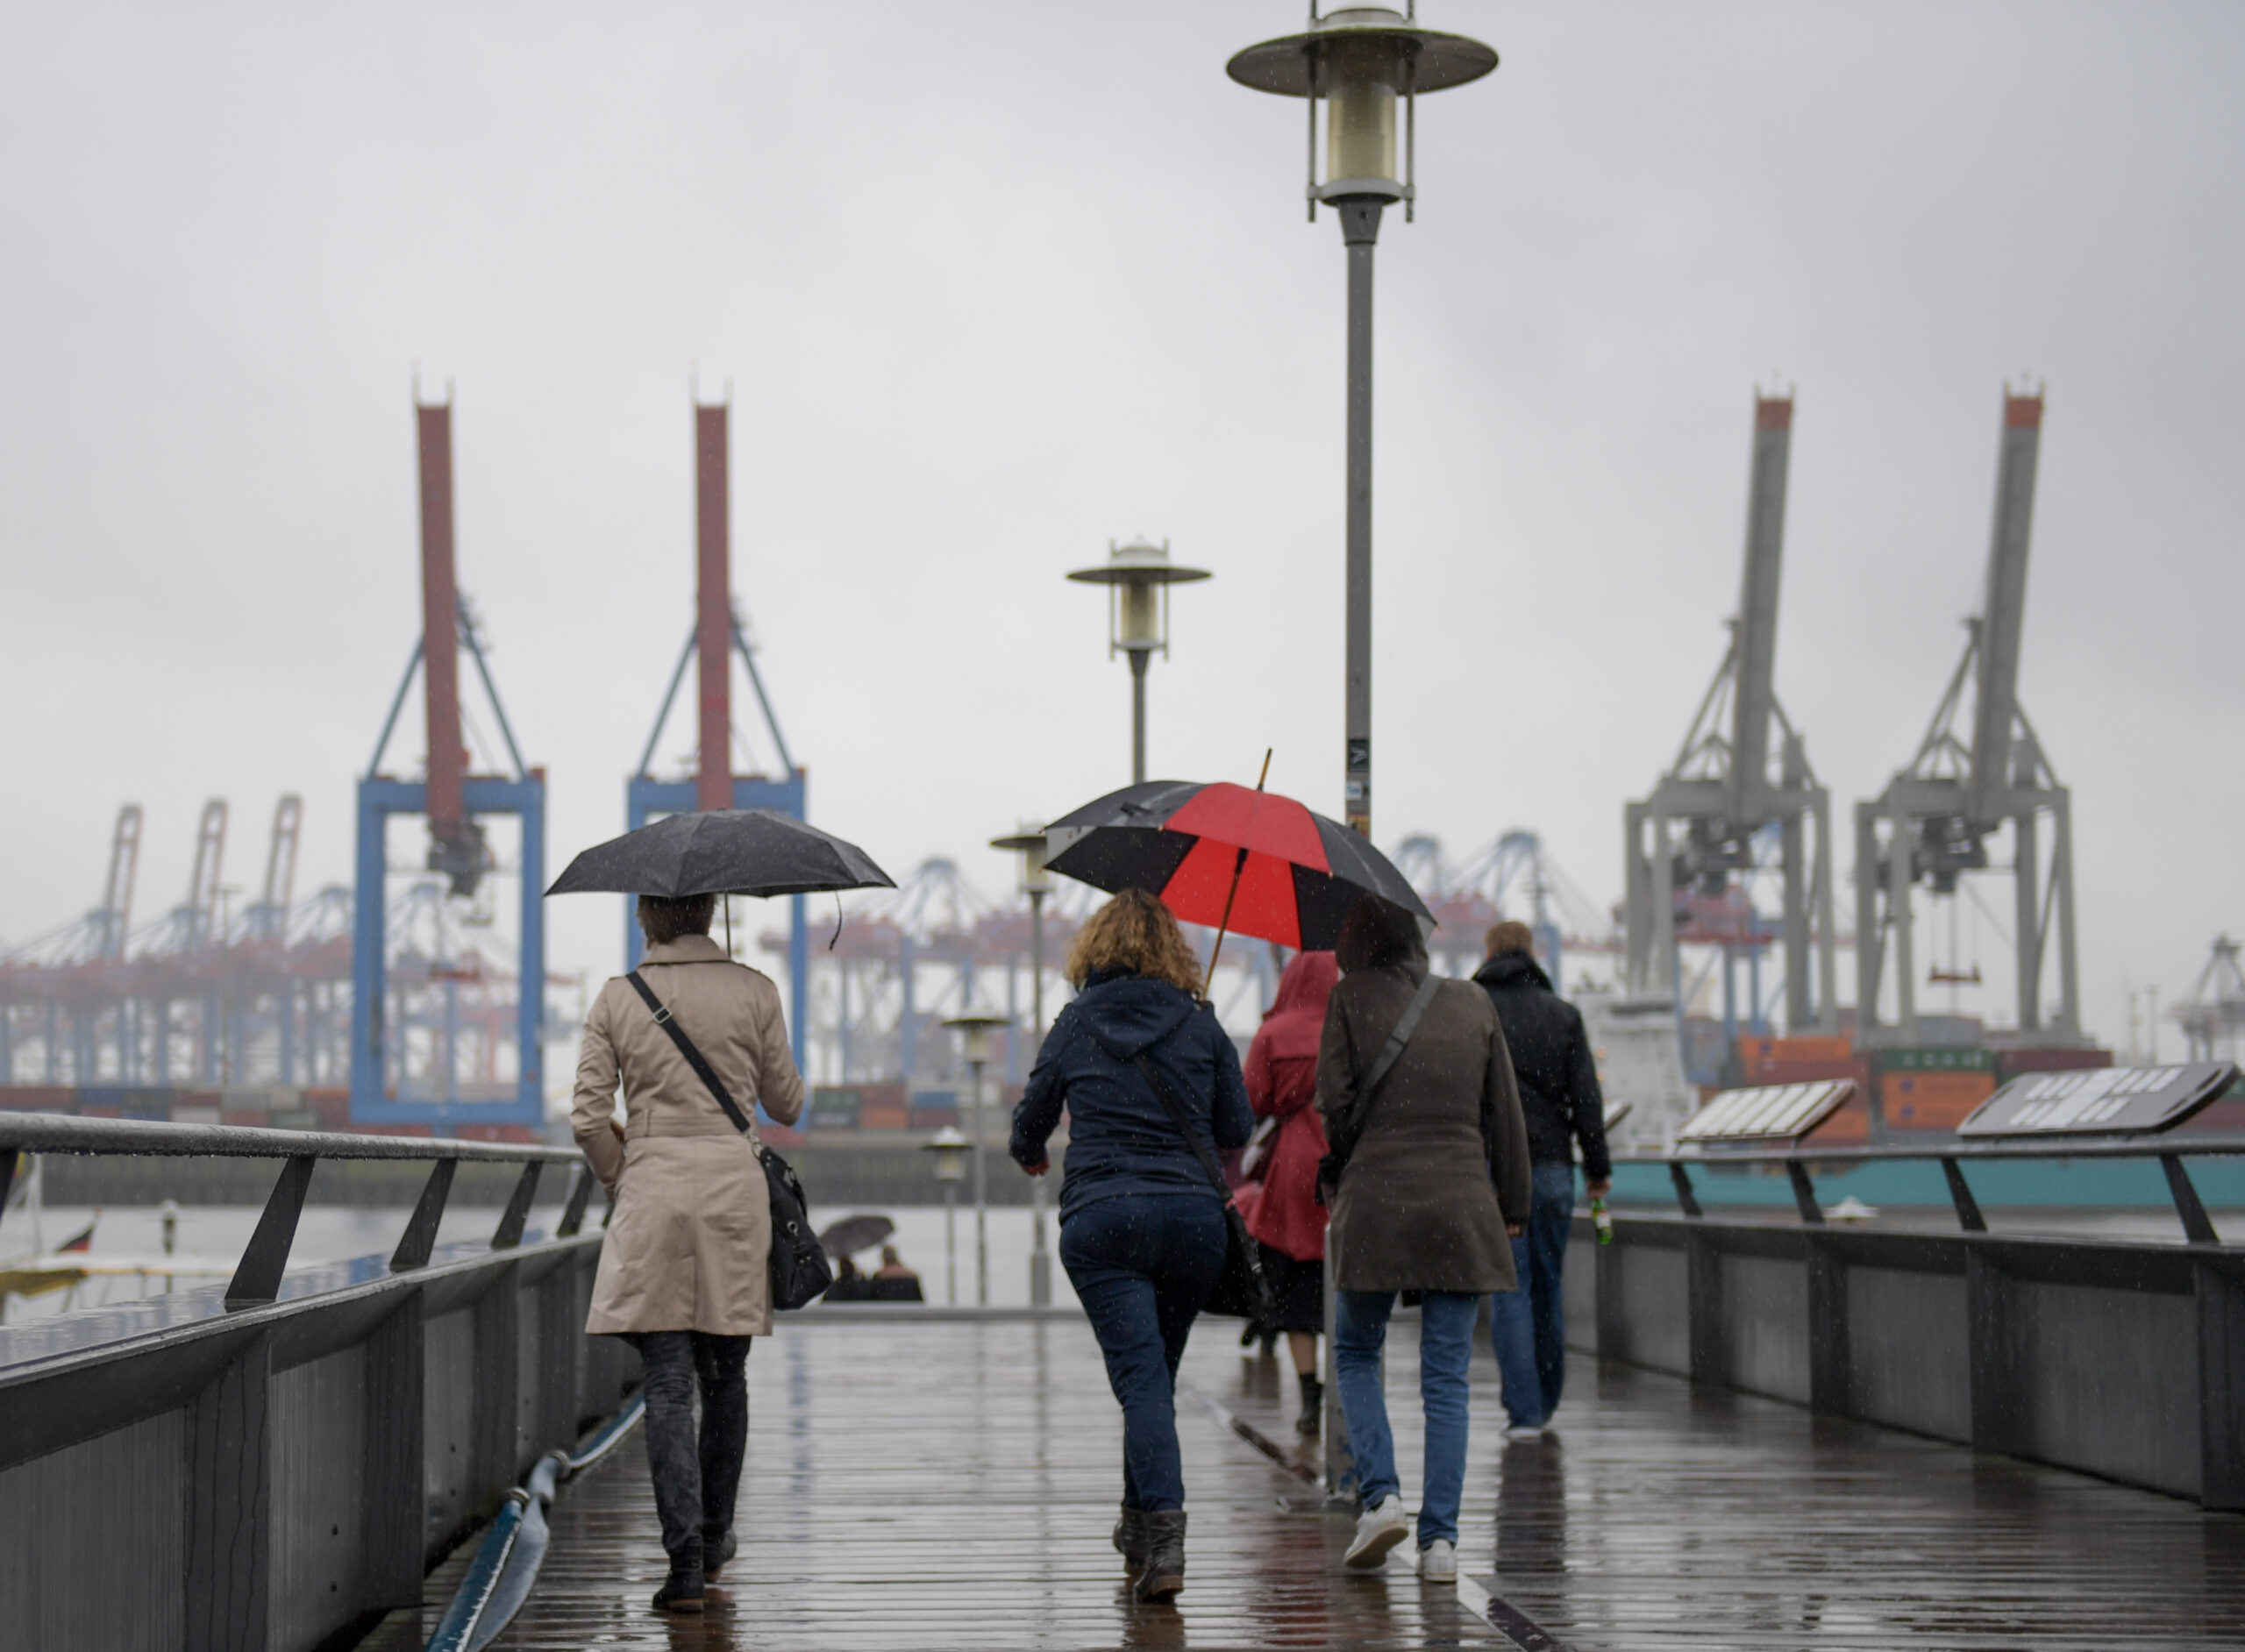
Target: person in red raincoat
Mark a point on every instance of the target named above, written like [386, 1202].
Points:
[1286, 1221]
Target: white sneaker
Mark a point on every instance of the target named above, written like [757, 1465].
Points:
[1525, 1431]
[1379, 1529]
[1438, 1562]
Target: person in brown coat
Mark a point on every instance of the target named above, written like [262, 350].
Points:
[1437, 1179]
[684, 1271]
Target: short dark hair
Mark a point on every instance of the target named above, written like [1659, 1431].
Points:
[1510, 936]
[666, 917]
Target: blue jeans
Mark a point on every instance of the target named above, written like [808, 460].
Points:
[1445, 1355]
[1528, 1327]
[1141, 1264]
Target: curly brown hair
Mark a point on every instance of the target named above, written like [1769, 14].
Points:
[1134, 931]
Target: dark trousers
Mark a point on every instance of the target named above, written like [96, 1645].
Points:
[1528, 1327]
[1141, 1264]
[695, 1478]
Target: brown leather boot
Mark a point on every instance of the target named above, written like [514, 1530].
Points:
[1165, 1571]
[1130, 1539]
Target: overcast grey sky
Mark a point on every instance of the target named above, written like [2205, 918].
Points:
[994, 282]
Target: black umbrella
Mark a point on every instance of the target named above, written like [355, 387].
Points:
[853, 1234]
[743, 852]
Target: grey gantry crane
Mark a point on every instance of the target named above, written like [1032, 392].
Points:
[1934, 818]
[1734, 813]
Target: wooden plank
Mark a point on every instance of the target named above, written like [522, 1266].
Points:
[952, 1483]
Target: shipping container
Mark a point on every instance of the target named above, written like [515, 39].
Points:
[31, 1098]
[872, 1115]
[932, 1115]
[886, 1093]
[1757, 1053]
[492, 1132]
[194, 1113]
[1932, 1100]
[295, 1118]
[2012, 1063]
[1933, 1058]
[1850, 1126]
[832, 1107]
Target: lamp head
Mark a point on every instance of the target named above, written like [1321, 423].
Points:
[1137, 574]
[1029, 842]
[975, 1027]
[948, 1148]
[1360, 60]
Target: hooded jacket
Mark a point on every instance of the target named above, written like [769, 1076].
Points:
[1281, 1075]
[1552, 1062]
[1120, 1138]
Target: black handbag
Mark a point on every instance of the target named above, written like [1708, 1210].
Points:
[1349, 1129]
[800, 1271]
[1241, 1290]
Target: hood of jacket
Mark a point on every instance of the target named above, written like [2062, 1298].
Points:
[1296, 1018]
[1512, 969]
[1128, 1013]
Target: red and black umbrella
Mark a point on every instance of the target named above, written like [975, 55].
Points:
[1301, 876]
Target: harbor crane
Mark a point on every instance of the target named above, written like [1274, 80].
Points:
[1934, 820]
[1731, 791]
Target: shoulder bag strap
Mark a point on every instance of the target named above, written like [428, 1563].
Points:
[1175, 1106]
[694, 1058]
[1343, 1142]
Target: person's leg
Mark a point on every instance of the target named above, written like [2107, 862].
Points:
[673, 1460]
[1550, 1218]
[1360, 1332]
[721, 1364]
[1304, 1348]
[1445, 1355]
[1101, 1249]
[1511, 1335]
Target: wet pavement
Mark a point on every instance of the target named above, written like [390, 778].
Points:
[952, 1483]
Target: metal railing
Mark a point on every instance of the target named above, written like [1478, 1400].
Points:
[1801, 1159]
[275, 1463]
[2121, 1356]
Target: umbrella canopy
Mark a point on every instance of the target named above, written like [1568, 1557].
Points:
[1182, 840]
[743, 852]
[853, 1234]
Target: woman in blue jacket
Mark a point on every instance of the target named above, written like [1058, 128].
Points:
[1142, 1227]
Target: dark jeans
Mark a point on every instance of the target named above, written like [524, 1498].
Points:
[695, 1480]
[1141, 1264]
[1528, 1327]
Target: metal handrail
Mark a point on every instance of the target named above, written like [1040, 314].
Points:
[257, 1278]
[62, 1133]
[2170, 1149]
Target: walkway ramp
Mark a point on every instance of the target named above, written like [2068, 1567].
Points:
[937, 1483]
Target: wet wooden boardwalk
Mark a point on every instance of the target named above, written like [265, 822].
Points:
[951, 1484]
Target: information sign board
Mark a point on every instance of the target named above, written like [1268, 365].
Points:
[1769, 1112]
[2100, 1101]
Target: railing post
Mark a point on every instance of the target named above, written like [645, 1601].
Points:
[560, 1328]
[495, 1410]
[1804, 1193]
[2198, 1227]
[573, 1217]
[1994, 1355]
[1827, 1329]
[1703, 1276]
[509, 1233]
[1681, 1180]
[229, 1512]
[257, 1277]
[1960, 1194]
[420, 1237]
[395, 1534]
[2219, 1284]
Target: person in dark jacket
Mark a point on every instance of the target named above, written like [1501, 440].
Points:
[1436, 1177]
[1557, 1076]
[1142, 1225]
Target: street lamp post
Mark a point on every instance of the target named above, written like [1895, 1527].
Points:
[949, 1150]
[974, 1027]
[1036, 883]
[1359, 60]
[1138, 577]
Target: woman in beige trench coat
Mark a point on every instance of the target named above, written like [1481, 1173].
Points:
[684, 1270]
